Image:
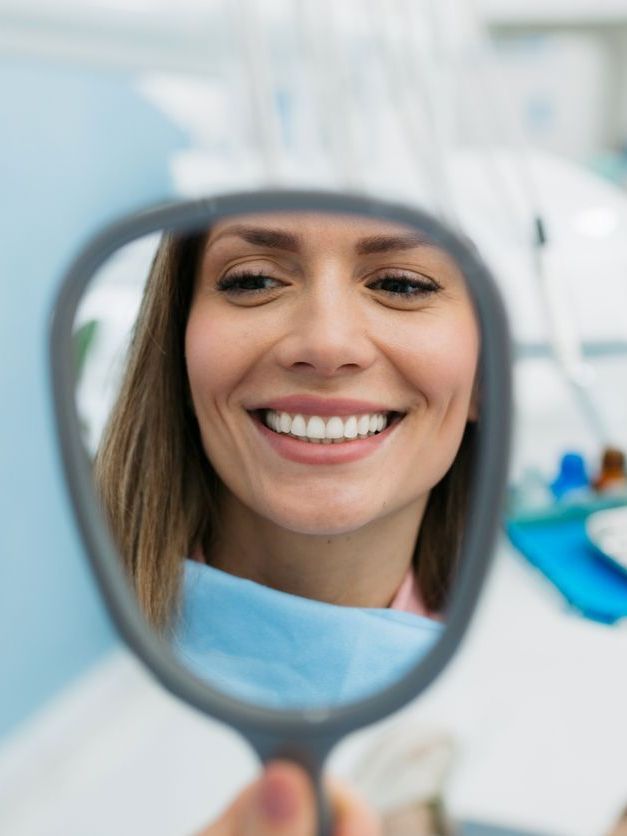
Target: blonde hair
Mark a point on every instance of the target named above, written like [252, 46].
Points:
[158, 489]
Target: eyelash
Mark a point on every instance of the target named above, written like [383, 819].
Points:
[422, 287]
[232, 284]
[229, 284]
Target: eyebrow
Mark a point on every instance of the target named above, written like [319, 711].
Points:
[281, 240]
[387, 243]
[263, 237]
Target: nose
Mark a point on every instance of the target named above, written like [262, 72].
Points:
[328, 333]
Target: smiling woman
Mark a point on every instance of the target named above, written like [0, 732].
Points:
[297, 410]
[292, 500]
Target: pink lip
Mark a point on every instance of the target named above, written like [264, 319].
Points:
[310, 405]
[305, 452]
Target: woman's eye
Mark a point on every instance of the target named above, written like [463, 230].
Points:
[239, 283]
[404, 286]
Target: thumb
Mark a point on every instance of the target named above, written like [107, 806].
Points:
[281, 804]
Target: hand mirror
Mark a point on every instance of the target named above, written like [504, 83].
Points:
[284, 422]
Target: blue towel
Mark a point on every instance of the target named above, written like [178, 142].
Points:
[279, 650]
[557, 544]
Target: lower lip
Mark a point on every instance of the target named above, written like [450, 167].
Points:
[306, 452]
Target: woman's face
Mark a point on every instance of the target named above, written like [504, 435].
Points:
[338, 320]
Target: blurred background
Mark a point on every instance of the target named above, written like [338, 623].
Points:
[508, 119]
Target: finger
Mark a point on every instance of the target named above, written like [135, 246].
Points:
[281, 804]
[352, 816]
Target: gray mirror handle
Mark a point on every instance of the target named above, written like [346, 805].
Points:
[308, 754]
[324, 814]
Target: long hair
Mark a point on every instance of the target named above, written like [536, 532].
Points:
[157, 487]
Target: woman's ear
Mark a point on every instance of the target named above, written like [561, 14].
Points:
[473, 408]
[188, 399]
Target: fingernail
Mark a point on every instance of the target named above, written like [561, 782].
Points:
[277, 798]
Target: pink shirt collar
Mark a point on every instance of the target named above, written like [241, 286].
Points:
[408, 597]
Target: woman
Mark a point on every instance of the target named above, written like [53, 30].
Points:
[297, 411]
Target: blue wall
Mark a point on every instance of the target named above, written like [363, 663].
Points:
[77, 149]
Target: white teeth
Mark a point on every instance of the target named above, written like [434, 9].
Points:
[335, 428]
[350, 427]
[363, 425]
[315, 427]
[325, 431]
[284, 423]
[299, 427]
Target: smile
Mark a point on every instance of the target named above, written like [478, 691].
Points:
[334, 429]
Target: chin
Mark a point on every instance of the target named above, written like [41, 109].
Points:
[329, 520]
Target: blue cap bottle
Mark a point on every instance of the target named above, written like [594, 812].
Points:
[572, 475]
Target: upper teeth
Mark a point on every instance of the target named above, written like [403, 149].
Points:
[330, 429]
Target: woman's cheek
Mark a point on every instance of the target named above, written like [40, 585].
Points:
[209, 346]
[442, 360]
[208, 357]
[221, 353]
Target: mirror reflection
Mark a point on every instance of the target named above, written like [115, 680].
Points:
[281, 411]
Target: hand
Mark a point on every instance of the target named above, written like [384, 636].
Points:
[281, 803]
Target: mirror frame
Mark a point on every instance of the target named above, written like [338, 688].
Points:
[305, 735]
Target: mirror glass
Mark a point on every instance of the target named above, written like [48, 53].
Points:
[281, 414]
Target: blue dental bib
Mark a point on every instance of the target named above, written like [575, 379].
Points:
[283, 651]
